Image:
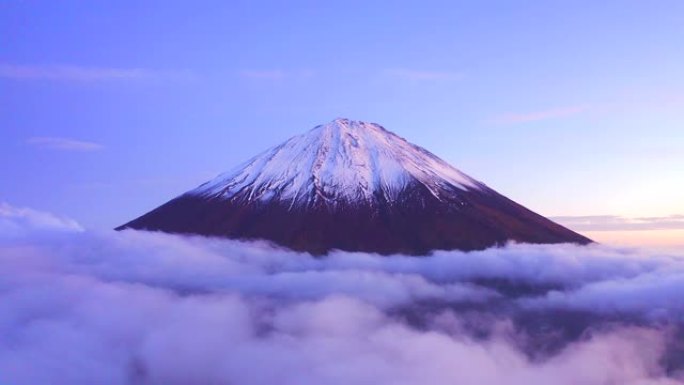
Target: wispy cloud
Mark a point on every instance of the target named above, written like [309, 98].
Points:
[63, 144]
[263, 74]
[85, 74]
[619, 223]
[423, 75]
[15, 221]
[275, 74]
[553, 113]
[195, 310]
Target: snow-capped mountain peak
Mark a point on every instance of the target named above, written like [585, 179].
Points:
[341, 161]
[355, 186]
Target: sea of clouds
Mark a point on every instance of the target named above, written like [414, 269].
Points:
[105, 307]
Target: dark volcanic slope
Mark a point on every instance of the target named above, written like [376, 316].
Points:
[353, 186]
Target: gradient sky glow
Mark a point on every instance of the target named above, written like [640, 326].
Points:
[572, 108]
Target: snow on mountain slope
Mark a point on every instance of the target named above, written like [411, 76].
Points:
[353, 186]
[343, 160]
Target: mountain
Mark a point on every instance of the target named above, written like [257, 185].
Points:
[353, 186]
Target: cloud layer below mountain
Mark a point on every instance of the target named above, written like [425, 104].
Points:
[83, 307]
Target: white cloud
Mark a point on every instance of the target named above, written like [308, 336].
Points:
[70, 72]
[275, 74]
[147, 308]
[64, 144]
[263, 74]
[619, 223]
[22, 221]
[553, 113]
[423, 75]
[85, 74]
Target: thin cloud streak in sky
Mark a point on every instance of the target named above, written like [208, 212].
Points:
[63, 144]
[393, 73]
[275, 74]
[422, 75]
[85, 74]
[618, 223]
[70, 73]
[554, 113]
[263, 74]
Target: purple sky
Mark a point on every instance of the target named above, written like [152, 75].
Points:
[572, 108]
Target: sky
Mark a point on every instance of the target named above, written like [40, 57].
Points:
[574, 109]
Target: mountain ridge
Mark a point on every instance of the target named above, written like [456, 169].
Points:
[353, 186]
[343, 159]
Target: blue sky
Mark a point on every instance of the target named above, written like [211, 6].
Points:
[572, 108]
